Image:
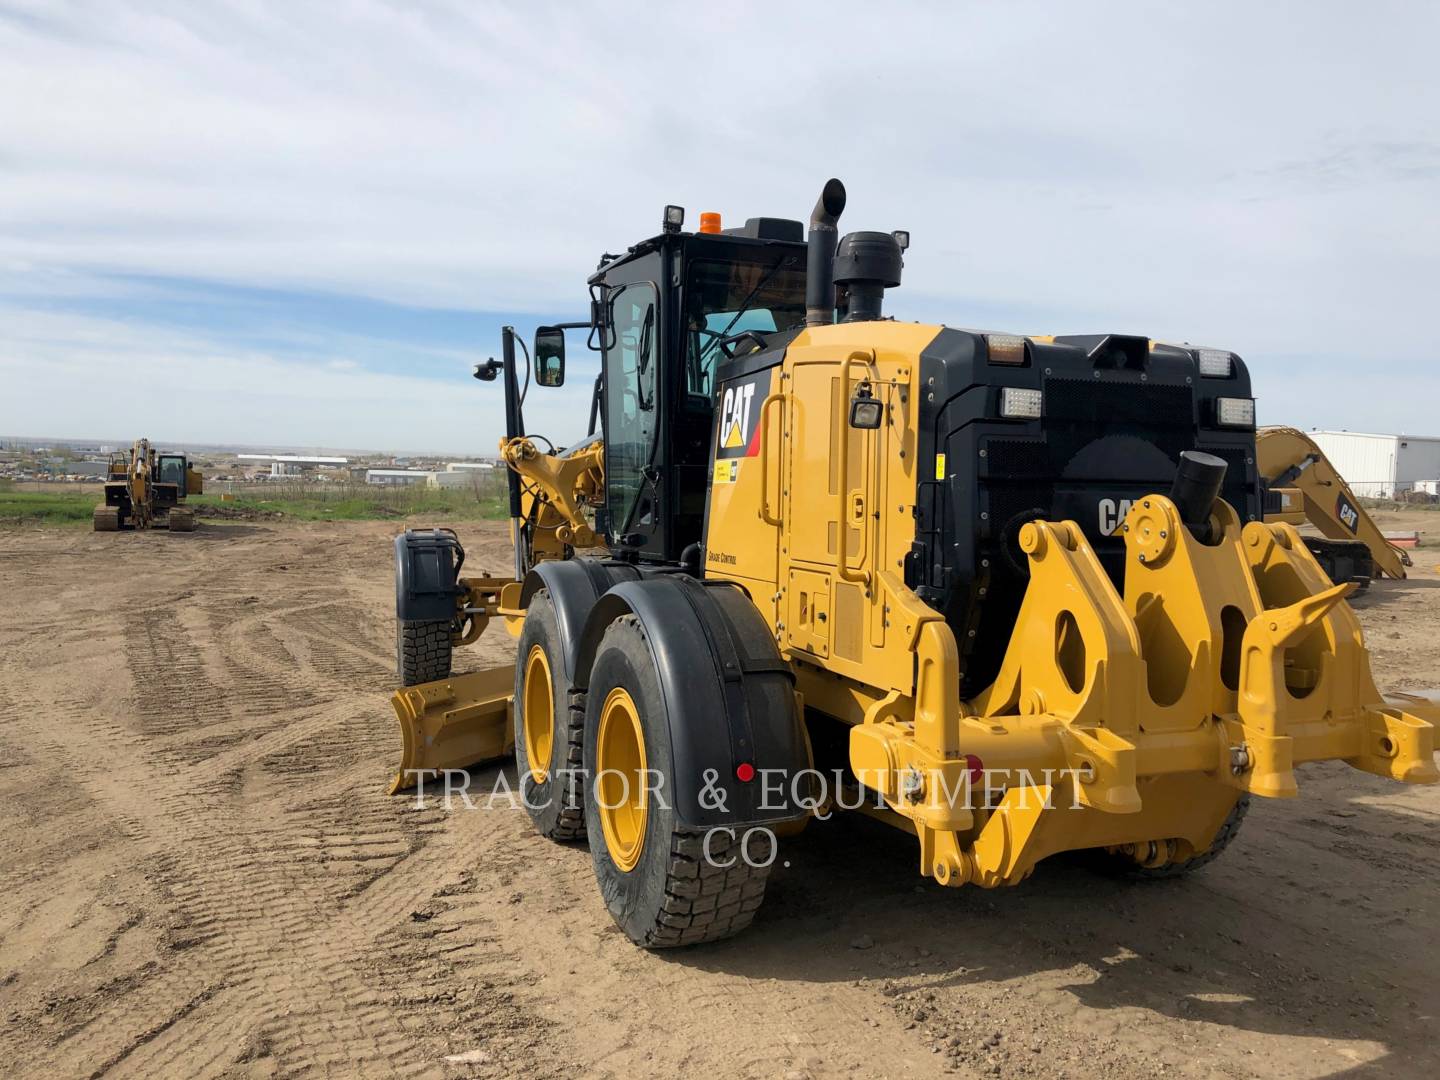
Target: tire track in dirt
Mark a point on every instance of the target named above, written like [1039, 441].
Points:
[543, 894]
[171, 688]
[240, 897]
[239, 893]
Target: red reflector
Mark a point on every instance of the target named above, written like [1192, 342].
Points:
[976, 767]
[745, 772]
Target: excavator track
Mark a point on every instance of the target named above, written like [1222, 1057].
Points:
[107, 518]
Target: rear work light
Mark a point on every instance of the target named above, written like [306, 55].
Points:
[1018, 403]
[1214, 363]
[1006, 348]
[1235, 411]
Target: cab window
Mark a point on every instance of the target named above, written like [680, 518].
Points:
[723, 299]
[172, 470]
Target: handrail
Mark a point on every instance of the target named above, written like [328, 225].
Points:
[842, 425]
[765, 514]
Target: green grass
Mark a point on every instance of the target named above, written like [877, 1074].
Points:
[353, 502]
[46, 507]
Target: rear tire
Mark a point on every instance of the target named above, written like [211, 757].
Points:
[664, 883]
[422, 651]
[181, 520]
[106, 518]
[549, 726]
[1127, 867]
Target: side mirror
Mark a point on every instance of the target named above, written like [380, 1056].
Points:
[550, 356]
[487, 371]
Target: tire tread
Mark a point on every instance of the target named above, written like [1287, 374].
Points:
[704, 901]
[423, 652]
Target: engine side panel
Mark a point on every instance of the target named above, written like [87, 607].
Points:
[931, 503]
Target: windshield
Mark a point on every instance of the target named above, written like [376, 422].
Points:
[727, 298]
[172, 469]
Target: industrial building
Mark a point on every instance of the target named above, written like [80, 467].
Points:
[452, 478]
[1382, 466]
[397, 476]
[294, 459]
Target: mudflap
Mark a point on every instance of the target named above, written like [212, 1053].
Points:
[454, 723]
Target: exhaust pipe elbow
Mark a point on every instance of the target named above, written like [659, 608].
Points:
[829, 206]
[820, 256]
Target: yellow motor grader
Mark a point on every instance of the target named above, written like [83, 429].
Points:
[146, 488]
[1012, 594]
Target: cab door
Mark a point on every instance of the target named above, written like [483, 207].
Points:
[632, 414]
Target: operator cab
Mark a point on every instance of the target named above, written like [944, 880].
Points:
[170, 469]
[667, 313]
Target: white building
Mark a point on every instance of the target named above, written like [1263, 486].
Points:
[398, 476]
[1381, 466]
[293, 459]
[458, 466]
[453, 478]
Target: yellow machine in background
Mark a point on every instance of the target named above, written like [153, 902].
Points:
[146, 488]
[1010, 594]
[1303, 487]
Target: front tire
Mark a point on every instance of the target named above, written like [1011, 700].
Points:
[664, 883]
[422, 651]
[549, 727]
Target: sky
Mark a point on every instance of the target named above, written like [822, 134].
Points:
[301, 224]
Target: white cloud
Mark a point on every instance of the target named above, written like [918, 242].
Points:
[1259, 176]
[103, 377]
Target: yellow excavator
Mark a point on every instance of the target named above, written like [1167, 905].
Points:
[1011, 594]
[1301, 486]
[146, 488]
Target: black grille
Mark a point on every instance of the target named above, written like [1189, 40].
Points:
[1100, 402]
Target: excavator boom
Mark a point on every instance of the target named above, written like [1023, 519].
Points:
[1304, 487]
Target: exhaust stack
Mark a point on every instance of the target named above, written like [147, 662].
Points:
[820, 260]
[1196, 487]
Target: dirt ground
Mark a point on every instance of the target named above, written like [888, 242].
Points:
[201, 875]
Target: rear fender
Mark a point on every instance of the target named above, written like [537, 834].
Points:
[575, 585]
[729, 696]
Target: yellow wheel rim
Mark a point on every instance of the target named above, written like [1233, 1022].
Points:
[539, 714]
[620, 779]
